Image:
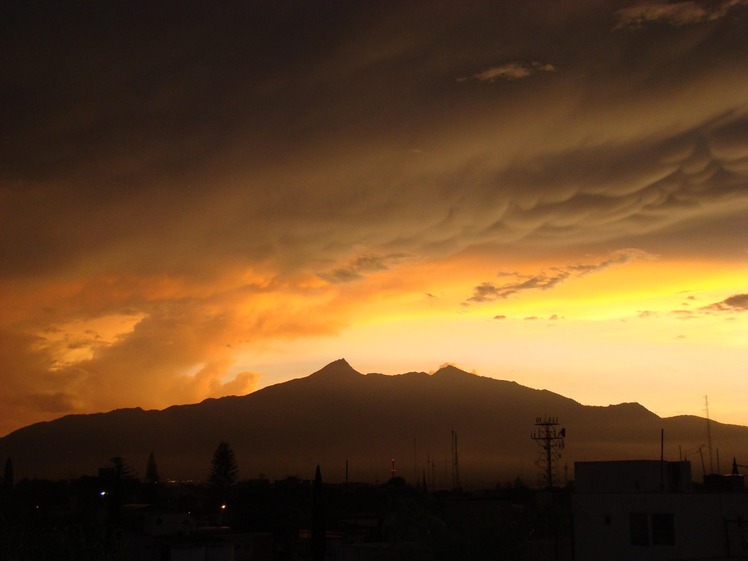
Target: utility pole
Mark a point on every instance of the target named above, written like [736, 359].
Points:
[551, 442]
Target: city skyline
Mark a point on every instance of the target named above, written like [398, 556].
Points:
[206, 201]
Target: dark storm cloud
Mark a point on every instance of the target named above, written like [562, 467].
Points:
[674, 13]
[142, 137]
[598, 189]
[488, 292]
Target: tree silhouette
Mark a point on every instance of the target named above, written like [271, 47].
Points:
[151, 471]
[122, 470]
[223, 467]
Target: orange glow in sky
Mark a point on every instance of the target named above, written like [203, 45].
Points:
[202, 204]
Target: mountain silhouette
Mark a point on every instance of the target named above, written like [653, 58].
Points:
[336, 371]
[338, 415]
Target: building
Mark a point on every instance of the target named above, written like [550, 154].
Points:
[650, 511]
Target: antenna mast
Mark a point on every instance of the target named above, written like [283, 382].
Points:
[709, 434]
[455, 463]
[551, 442]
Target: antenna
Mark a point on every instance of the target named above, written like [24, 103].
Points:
[428, 469]
[432, 466]
[415, 462]
[700, 450]
[551, 442]
[452, 453]
[709, 434]
[455, 463]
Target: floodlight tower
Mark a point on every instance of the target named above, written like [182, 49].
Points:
[551, 442]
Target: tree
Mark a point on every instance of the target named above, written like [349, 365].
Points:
[122, 470]
[223, 467]
[151, 471]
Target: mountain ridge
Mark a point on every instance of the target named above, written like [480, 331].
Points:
[337, 415]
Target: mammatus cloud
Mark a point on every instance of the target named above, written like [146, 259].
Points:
[510, 71]
[488, 174]
[675, 13]
[488, 292]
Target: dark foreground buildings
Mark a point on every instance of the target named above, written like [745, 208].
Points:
[630, 510]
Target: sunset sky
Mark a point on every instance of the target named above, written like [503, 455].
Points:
[203, 199]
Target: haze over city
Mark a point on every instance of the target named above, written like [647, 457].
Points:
[204, 201]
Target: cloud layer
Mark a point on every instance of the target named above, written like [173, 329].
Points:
[178, 190]
[489, 292]
[510, 71]
[736, 303]
[675, 13]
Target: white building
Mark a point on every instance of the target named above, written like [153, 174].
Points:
[649, 511]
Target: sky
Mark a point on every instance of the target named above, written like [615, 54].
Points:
[204, 199]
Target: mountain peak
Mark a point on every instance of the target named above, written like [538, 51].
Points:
[336, 370]
[450, 371]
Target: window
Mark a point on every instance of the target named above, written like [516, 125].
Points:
[661, 524]
[663, 529]
[639, 527]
